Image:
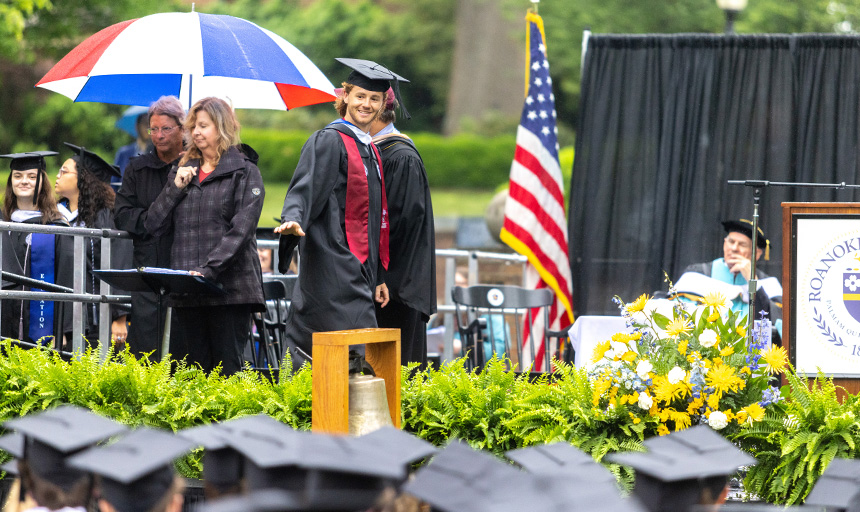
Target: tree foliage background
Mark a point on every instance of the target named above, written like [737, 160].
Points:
[413, 37]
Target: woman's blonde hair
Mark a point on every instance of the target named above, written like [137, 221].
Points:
[225, 121]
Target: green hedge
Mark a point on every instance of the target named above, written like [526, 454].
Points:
[460, 161]
[494, 410]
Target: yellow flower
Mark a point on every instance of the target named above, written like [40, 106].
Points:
[638, 304]
[695, 405]
[746, 369]
[665, 391]
[636, 421]
[714, 299]
[723, 379]
[727, 351]
[714, 316]
[742, 331]
[753, 412]
[713, 402]
[717, 360]
[775, 358]
[694, 356]
[629, 356]
[662, 430]
[678, 326]
[682, 347]
[600, 388]
[600, 350]
[741, 416]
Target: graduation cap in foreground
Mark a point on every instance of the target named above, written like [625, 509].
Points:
[13, 444]
[50, 437]
[404, 447]
[837, 485]
[222, 465]
[137, 470]
[28, 160]
[94, 164]
[374, 77]
[266, 500]
[683, 468]
[561, 458]
[320, 471]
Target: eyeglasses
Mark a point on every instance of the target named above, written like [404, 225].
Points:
[166, 131]
[62, 172]
[742, 244]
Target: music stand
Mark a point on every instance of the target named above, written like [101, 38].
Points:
[162, 282]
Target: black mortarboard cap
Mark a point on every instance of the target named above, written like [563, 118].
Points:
[566, 494]
[374, 77]
[28, 160]
[461, 479]
[561, 459]
[680, 466]
[137, 470]
[51, 436]
[745, 226]
[95, 164]
[222, 465]
[837, 485]
[321, 471]
[13, 444]
[403, 446]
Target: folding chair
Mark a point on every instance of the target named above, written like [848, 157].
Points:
[485, 306]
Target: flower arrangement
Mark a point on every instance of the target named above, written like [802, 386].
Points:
[684, 364]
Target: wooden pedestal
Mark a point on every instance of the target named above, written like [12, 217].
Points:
[330, 374]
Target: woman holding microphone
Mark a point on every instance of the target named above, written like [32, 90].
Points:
[212, 202]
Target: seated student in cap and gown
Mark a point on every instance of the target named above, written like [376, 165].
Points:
[42, 445]
[87, 200]
[337, 197]
[136, 473]
[45, 257]
[730, 274]
[411, 275]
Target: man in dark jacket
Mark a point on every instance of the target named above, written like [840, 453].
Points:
[411, 276]
[143, 180]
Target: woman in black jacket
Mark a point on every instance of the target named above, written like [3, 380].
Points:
[212, 203]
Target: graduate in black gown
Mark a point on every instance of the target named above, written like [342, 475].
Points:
[336, 212]
[411, 276]
[49, 258]
[87, 200]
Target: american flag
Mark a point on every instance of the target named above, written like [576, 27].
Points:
[535, 224]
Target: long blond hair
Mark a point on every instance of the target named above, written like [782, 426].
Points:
[225, 122]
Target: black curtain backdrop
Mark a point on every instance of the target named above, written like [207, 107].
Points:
[666, 120]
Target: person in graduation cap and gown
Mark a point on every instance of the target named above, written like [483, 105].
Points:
[335, 211]
[48, 258]
[411, 276]
[87, 200]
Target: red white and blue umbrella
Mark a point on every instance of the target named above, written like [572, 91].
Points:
[189, 55]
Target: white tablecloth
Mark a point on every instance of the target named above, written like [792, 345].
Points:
[588, 331]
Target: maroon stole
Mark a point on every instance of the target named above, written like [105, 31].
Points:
[358, 203]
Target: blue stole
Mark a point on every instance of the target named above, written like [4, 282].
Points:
[41, 268]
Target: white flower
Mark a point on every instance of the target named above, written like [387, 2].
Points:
[718, 420]
[676, 375]
[618, 349]
[708, 338]
[643, 368]
[645, 401]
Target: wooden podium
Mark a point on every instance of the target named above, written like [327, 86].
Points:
[330, 374]
[791, 214]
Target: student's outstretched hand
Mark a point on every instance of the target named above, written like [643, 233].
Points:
[290, 228]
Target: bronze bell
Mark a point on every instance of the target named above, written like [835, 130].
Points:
[368, 404]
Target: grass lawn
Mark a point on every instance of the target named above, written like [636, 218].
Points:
[446, 202]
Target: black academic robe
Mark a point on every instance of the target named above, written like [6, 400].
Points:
[335, 290]
[121, 257]
[411, 275]
[142, 182]
[16, 259]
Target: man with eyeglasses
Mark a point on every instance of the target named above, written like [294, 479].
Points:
[730, 274]
[143, 181]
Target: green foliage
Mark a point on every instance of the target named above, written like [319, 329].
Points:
[795, 442]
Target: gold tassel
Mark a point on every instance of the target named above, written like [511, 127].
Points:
[767, 250]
